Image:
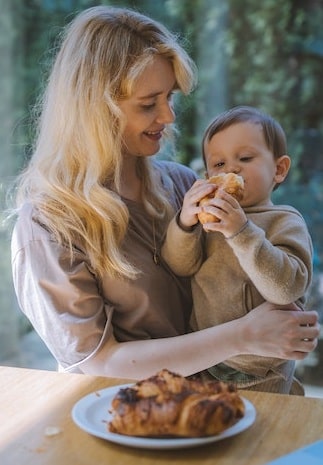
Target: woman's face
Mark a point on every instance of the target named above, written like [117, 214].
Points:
[149, 109]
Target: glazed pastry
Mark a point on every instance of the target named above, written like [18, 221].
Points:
[170, 405]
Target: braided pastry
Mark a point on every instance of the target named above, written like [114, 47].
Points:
[169, 405]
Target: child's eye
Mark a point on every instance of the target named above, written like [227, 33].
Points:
[246, 158]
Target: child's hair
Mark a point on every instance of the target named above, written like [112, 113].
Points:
[274, 134]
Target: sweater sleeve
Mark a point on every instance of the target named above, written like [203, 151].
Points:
[279, 261]
[60, 298]
[183, 250]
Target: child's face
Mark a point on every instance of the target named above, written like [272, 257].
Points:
[241, 149]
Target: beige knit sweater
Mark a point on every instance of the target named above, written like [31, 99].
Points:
[271, 259]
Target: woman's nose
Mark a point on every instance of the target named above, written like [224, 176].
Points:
[166, 114]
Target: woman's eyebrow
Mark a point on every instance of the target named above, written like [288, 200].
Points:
[155, 94]
[148, 96]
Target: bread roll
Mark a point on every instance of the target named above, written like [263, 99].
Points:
[232, 183]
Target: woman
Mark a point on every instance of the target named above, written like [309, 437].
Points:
[93, 207]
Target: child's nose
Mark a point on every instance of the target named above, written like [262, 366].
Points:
[233, 168]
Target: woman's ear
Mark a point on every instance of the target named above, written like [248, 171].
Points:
[282, 168]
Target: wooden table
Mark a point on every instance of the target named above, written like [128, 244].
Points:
[33, 400]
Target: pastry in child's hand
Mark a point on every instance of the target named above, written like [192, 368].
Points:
[231, 183]
[170, 405]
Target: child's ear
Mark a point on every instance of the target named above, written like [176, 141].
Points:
[282, 168]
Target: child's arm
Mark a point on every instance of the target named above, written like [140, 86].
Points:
[278, 261]
[182, 250]
[183, 245]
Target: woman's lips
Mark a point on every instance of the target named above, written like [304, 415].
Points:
[154, 135]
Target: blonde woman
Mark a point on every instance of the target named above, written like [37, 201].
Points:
[93, 206]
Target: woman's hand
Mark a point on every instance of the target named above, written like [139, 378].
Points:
[287, 333]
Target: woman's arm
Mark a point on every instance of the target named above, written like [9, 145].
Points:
[266, 331]
[65, 306]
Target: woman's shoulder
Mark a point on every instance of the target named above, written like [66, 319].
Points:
[27, 229]
[176, 179]
[180, 174]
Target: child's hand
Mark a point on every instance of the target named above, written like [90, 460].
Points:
[227, 209]
[190, 208]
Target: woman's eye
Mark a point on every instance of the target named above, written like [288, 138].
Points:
[170, 96]
[148, 107]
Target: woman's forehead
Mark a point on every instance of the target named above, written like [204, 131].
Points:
[157, 77]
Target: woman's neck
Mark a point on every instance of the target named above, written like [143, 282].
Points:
[130, 187]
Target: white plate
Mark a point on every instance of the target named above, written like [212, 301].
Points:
[91, 414]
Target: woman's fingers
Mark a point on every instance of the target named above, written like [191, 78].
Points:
[310, 332]
[306, 334]
[309, 327]
[283, 333]
[308, 318]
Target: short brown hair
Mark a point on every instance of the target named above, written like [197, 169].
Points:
[273, 132]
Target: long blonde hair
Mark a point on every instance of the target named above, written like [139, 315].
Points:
[77, 156]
